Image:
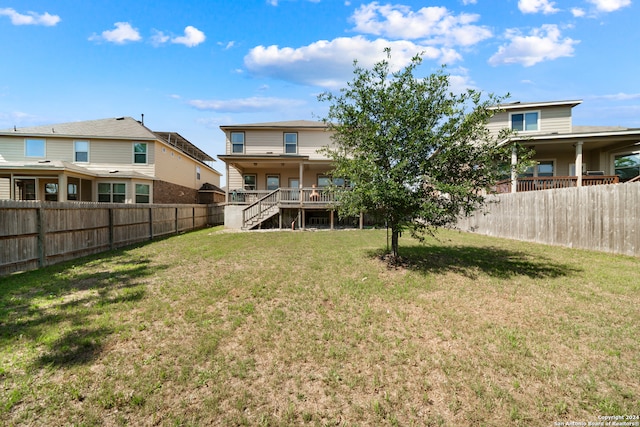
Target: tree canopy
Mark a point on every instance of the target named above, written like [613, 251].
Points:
[415, 154]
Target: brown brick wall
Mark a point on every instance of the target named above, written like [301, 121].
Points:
[168, 193]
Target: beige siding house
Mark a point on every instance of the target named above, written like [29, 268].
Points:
[116, 160]
[275, 175]
[604, 155]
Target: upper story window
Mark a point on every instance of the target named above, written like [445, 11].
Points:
[237, 142]
[140, 152]
[34, 148]
[198, 173]
[525, 122]
[290, 143]
[81, 151]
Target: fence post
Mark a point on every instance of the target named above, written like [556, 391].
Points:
[110, 228]
[42, 238]
[177, 231]
[150, 223]
[193, 218]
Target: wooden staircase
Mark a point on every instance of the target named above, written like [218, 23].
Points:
[261, 210]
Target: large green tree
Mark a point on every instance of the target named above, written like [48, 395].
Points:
[415, 153]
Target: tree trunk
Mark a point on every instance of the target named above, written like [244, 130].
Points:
[395, 234]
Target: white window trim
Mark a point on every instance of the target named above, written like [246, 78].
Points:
[133, 153]
[111, 183]
[267, 176]
[284, 142]
[524, 113]
[135, 193]
[244, 142]
[88, 150]
[35, 139]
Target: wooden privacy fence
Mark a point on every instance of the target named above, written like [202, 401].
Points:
[603, 218]
[36, 234]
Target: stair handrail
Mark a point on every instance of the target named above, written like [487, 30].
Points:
[256, 208]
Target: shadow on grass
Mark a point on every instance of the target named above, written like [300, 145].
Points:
[56, 310]
[469, 261]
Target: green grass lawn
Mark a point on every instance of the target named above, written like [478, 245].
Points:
[311, 328]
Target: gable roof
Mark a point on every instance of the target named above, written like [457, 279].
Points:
[522, 105]
[120, 127]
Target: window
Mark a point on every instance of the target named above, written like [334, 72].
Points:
[237, 142]
[51, 192]
[81, 151]
[273, 182]
[249, 182]
[140, 152]
[198, 173]
[72, 191]
[524, 122]
[142, 193]
[627, 166]
[324, 181]
[542, 168]
[111, 192]
[34, 148]
[290, 143]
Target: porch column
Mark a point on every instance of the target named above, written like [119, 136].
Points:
[514, 175]
[579, 163]
[62, 187]
[12, 190]
[331, 218]
[226, 191]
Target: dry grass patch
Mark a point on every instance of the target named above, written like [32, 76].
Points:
[308, 328]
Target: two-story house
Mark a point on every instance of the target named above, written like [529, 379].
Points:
[116, 160]
[276, 173]
[603, 155]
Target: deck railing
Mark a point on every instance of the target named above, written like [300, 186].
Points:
[288, 196]
[550, 182]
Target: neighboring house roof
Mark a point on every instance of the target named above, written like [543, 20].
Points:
[207, 186]
[114, 128]
[178, 141]
[121, 127]
[59, 165]
[522, 105]
[276, 125]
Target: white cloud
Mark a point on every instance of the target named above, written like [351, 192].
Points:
[31, 18]
[123, 33]
[577, 12]
[255, 103]
[192, 37]
[467, 2]
[437, 24]
[609, 5]
[329, 64]
[159, 38]
[537, 6]
[542, 44]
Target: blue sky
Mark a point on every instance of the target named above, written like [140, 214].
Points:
[192, 65]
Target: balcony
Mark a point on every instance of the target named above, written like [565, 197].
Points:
[551, 182]
[286, 197]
